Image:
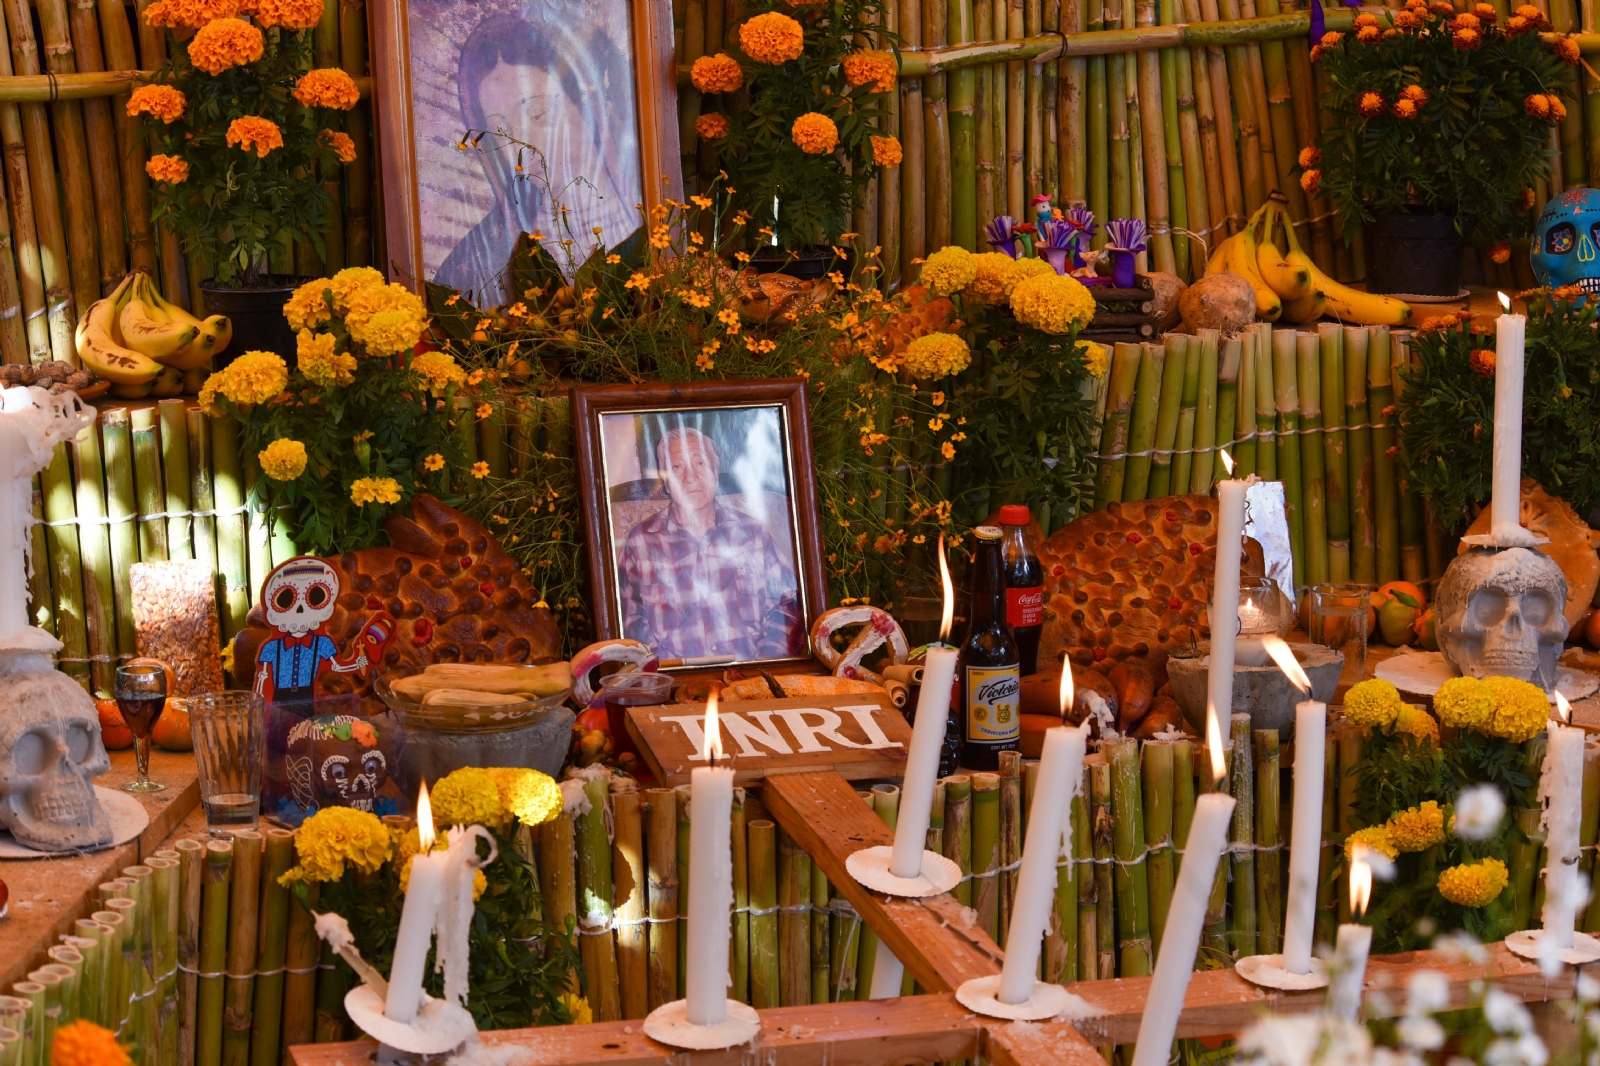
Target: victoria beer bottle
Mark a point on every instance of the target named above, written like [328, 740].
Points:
[988, 667]
[1024, 586]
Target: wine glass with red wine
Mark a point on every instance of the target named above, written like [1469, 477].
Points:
[141, 692]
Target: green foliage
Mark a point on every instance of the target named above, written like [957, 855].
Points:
[1470, 151]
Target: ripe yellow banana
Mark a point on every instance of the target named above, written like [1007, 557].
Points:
[141, 332]
[213, 334]
[1344, 303]
[1288, 281]
[98, 347]
[1304, 310]
[1241, 260]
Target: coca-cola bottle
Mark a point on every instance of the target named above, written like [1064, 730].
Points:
[988, 668]
[1024, 586]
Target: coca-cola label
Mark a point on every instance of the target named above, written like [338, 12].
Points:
[993, 707]
[1025, 607]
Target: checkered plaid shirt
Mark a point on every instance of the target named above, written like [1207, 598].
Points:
[728, 594]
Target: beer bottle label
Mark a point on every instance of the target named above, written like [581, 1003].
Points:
[993, 704]
[1025, 607]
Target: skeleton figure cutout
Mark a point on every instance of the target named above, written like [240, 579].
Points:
[50, 740]
[1501, 614]
[298, 599]
[334, 761]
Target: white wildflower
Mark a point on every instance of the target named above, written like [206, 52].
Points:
[1427, 992]
[1505, 1013]
[1478, 812]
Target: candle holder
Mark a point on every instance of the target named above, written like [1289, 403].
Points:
[1525, 944]
[439, 1027]
[981, 995]
[669, 1024]
[1266, 971]
[870, 868]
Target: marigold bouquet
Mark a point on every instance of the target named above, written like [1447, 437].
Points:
[1444, 112]
[246, 131]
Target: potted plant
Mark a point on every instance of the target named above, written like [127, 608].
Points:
[1440, 129]
[800, 141]
[242, 123]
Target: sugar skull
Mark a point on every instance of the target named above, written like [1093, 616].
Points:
[334, 761]
[299, 596]
[1565, 241]
[1501, 614]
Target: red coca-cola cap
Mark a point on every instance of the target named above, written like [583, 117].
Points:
[1014, 514]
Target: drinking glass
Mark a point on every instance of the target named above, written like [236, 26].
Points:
[636, 689]
[230, 749]
[1337, 619]
[141, 692]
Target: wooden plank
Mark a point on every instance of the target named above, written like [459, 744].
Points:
[859, 736]
[932, 937]
[1032, 1044]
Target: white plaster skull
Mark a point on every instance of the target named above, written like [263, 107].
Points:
[300, 595]
[50, 749]
[1501, 614]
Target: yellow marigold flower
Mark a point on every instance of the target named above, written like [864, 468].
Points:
[1052, 303]
[344, 149]
[249, 132]
[283, 459]
[365, 490]
[886, 151]
[712, 126]
[1373, 702]
[160, 101]
[468, 796]
[772, 38]
[1465, 703]
[1310, 157]
[385, 320]
[937, 355]
[317, 360]
[439, 370]
[83, 1043]
[871, 67]
[189, 14]
[224, 43]
[327, 87]
[289, 14]
[1021, 270]
[1096, 358]
[987, 287]
[949, 270]
[1521, 711]
[335, 837]
[815, 133]
[351, 280]
[1417, 828]
[433, 463]
[168, 168]
[254, 377]
[1414, 721]
[577, 1008]
[1375, 837]
[720, 73]
[526, 795]
[480, 470]
[307, 306]
[1474, 884]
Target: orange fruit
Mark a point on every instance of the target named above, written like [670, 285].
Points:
[171, 731]
[1409, 591]
[1591, 629]
[114, 732]
[1427, 628]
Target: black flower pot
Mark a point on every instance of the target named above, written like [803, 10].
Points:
[1414, 253]
[258, 322]
[808, 263]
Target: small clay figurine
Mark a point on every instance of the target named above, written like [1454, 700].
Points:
[1042, 211]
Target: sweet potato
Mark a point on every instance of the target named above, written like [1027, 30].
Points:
[1041, 692]
[1164, 714]
[1135, 684]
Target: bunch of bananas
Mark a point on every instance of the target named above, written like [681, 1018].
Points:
[146, 346]
[1289, 285]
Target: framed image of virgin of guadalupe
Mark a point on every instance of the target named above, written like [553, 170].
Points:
[700, 508]
[496, 114]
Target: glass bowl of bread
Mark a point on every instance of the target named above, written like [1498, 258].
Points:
[475, 697]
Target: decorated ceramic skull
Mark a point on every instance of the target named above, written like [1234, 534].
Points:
[50, 749]
[1501, 614]
[1565, 240]
[334, 761]
[300, 596]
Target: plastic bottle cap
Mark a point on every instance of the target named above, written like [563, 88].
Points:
[1015, 514]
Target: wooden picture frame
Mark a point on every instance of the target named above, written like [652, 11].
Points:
[412, 92]
[678, 419]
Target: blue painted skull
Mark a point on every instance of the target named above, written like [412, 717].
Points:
[1565, 241]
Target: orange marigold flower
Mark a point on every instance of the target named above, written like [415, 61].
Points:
[1370, 104]
[1465, 21]
[886, 151]
[815, 133]
[1486, 12]
[1310, 156]
[1529, 12]
[720, 73]
[1331, 39]
[1516, 26]
[1501, 252]
[289, 14]
[167, 168]
[189, 14]
[1366, 19]
[876, 68]
[1537, 105]
[1567, 49]
[772, 38]
[712, 126]
[224, 43]
[161, 101]
[343, 147]
[1316, 53]
[83, 1043]
[1558, 110]
[1467, 40]
[249, 132]
[1404, 108]
[1368, 34]
[1311, 181]
[1406, 20]
[1482, 362]
[1442, 8]
[1416, 94]
[327, 87]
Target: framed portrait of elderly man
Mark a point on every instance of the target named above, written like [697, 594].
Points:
[700, 506]
[503, 117]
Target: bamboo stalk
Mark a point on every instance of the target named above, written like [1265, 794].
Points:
[14, 348]
[1073, 172]
[30, 268]
[87, 937]
[78, 169]
[1121, 147]
[32, 1021]
[1015, 112]
[661, 852]
[119, 55]
[266, 1031]
[175, 477]
[301, 957]
[1160, 188]
[67, 965]
[740, 945]
[1244, 926]
[1206, 415]
[1098, 769]
[986, 850]
[1142, 432]
[764, 975]
[1156, 771]
[41, 603]
[1135, 953]
[684, 832]
[214, 913]
[1086, 935]
[1286, 398]
[1336, 469]
[1589, 830]
[794, 922]
[558, 880]
[258, 537]
[202, 494]
[936, 129]
[1385, 491]
[1308, 369]
[1187, 351]
[1523, 863]
[1265, 412]
[1124, 373]
[1358, 445]
[595, 901]
[1033, 76]
[1269, 860]
[1413, 566]
[627, 864]
[1174, 362]
[1010, 836]
[913, 167]
[1328, 856]
[168, 911]
[963, 93]
[94, 542]
[1229, 356]
[113, 994]
[867, 958]
[244, 923]
[147, 483]
[358, 173]
[232, 565]
[51, 997]
[1350, 744]
[1061, 937]
[958, 832]
[820, 945]
[60, 510]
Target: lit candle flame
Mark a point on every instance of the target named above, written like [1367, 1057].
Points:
[1219, 764]
[1564, 709]
[1505, 301]
[1281, 654]
[1227, 460]
[947, 619]
[713, 750]
[1066, 688]
[1360, 880]
[425, 834]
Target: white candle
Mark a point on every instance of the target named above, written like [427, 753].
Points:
[705, 980]
[1505, 508]
[888, 974]
[1561, 786]
[1225, 597]
[1352, 945]
[1208, 839]
[1305, 841]
[927, 739]
[1060, 775]
[424, 896]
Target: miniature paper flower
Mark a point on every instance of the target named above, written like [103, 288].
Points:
[999, 232]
